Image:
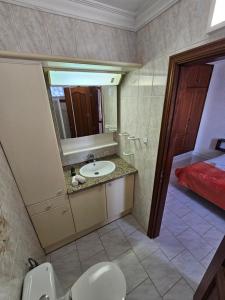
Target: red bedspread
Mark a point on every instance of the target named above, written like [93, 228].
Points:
[205, 180]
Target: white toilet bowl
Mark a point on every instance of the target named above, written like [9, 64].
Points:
[103, 281]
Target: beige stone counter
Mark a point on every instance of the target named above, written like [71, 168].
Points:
[122, 169]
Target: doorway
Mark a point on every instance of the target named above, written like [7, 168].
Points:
[198, 56]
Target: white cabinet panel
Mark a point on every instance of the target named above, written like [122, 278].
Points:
[119, 194]
[54, 225]
[88, 207]
[27, 132]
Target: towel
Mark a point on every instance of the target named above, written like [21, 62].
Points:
[74, 181]
[80, 179]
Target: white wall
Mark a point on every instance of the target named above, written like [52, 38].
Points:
[212, 126]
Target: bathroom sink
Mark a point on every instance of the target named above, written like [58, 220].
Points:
[97, 169]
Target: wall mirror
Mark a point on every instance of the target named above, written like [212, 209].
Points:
[85, 103]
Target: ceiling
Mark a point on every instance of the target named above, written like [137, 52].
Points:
[126, 14]
[128, 5]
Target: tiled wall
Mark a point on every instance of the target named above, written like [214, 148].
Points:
[181, 27]
[32, 31]
[18, 240]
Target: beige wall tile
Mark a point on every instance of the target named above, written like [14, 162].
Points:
[21, 240]
[61, 33]
[30, 30]
[8, 39]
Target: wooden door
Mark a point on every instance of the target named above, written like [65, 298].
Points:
[84, 110]
[212, 286]
[192, 91]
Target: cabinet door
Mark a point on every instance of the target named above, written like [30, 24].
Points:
[119, 194]
[27, 132]
[88, 207]
[54, 225]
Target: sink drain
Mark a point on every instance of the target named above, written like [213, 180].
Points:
[96, 173]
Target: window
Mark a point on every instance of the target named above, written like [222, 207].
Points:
[217, 15]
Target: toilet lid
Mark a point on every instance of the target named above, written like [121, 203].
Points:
[103, 281]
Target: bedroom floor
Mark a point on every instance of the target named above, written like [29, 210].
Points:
[164, 268]
[196, 223]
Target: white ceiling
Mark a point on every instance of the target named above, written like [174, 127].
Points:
[126, 14]
[128, 5]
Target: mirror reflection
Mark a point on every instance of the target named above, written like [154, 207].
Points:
[85, 110]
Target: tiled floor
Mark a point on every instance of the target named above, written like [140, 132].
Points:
[165, 268]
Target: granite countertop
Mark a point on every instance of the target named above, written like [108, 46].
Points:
[122, 169]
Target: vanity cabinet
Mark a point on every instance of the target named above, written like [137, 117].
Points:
[55, 224]
[103, 203]
[89, 207]
[119, 195]
[27, 132]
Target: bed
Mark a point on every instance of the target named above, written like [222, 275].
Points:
[206, 179]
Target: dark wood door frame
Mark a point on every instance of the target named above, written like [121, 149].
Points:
[214, 278]
[207, 53]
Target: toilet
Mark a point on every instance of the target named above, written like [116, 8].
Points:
[103, 281]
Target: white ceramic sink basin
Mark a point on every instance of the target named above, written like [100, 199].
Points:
[97, 169]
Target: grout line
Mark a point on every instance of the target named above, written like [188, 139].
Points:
[132, 290]
[141, 262]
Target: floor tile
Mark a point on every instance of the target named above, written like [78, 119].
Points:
[217, 220]
[197, 223]
[132, 270]
[115, 243]
[141, 244]
[161, 271]
[207, 260]
[213, 237]
[107, 228]
[178, 208]
[89, 245]
[97, 258]
[180, 288]
[174, 223]
[66, 250]
[67, 269]
[194, 243]
[189, 268]
[128, 225]
[169, 244]
[145, 291]
[198, 205]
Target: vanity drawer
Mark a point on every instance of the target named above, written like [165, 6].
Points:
[47, 205]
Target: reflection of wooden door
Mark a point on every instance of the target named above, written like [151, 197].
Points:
[84, 110]
[192, 91]
[212, 286]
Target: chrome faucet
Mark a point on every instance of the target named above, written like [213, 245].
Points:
[91, 158]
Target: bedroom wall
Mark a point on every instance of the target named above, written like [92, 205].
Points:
[18, 240]
[181, 27]
[212, 126]
[33, 31]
